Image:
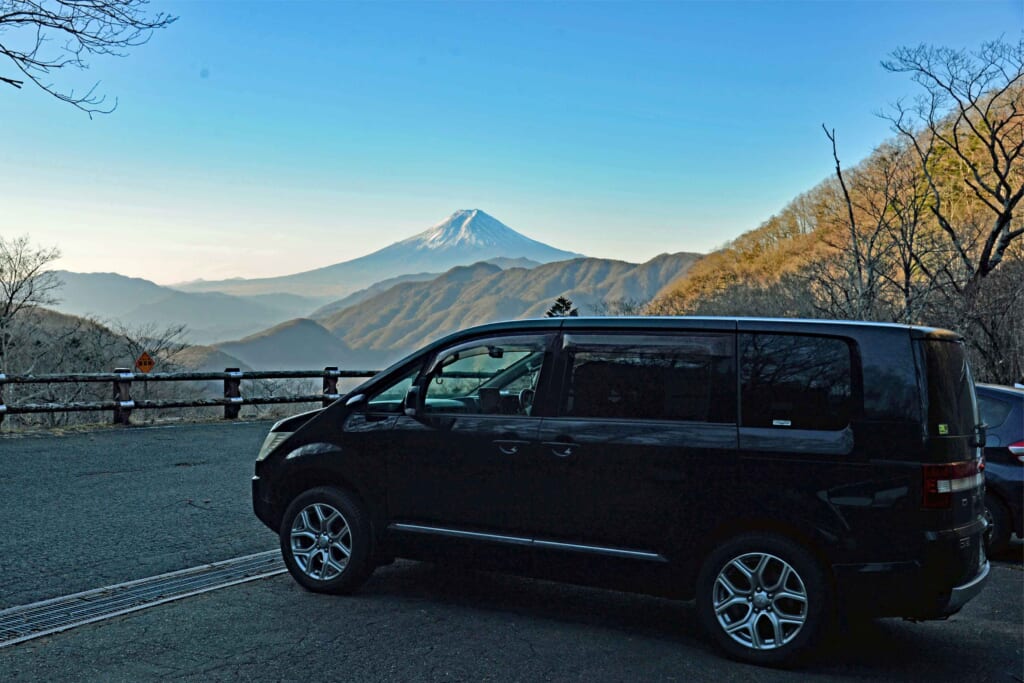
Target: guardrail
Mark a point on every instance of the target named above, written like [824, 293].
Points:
[122, 404]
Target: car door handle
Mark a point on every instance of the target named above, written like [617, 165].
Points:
[509, 446]
[562, 449]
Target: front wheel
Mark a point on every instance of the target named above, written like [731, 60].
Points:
[763, 599]
[326, 541]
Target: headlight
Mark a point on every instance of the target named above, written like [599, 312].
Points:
[272, 441]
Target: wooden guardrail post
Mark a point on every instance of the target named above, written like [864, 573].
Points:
[330, 385]
[233, 393]
[123, 405]
[123, 396]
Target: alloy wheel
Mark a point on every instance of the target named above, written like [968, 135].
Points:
[321, 541]
[760, 601]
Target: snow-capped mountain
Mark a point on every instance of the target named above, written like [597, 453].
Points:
[474, 234]
[465, 237]
[472, 229]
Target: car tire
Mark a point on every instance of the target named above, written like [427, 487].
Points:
[327, 541]
[763, 599]
[999, 518]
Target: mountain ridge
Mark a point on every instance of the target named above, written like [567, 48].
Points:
[382, 328]
[139, 302]
[467, 236]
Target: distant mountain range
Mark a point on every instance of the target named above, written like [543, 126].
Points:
[209, 316]
[299, 343]
[383, 327]
[363, 313]
[465, 237]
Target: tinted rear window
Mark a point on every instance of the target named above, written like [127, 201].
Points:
[951, 407]
[795, 382]
[647, 377]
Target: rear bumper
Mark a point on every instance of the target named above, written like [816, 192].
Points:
[951, 571]
[962, 594]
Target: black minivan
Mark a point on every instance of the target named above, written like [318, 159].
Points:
[780, 472]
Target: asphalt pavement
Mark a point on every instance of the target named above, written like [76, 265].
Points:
[89, 509]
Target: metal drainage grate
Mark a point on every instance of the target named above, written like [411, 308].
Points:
[18, 624]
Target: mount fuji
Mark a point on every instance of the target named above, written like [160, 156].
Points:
[465, 237]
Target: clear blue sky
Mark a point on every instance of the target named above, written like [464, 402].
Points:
[262, 138]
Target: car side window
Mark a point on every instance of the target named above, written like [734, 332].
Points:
[688, 377]
[993, 411]
[389, 398]
[496, 376]
[795, 382]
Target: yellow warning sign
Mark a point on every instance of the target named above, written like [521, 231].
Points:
[145, 362]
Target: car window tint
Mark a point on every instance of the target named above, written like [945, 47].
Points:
[490, 377]
[389, 397]
[795, 382]
[951, 406]
[684, 377]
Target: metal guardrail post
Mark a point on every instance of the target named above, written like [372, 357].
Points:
[330, 385]
[232, 391]
[123, 396]
[3, 408]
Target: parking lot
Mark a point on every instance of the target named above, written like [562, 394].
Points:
[89, 509]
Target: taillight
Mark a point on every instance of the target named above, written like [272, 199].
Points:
[1018, 450]
[942, 481]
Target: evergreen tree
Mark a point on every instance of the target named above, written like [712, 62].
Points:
[562, 308]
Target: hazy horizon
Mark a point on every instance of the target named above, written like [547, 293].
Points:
[289, 137]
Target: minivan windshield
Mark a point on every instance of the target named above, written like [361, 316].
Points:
[952, 410]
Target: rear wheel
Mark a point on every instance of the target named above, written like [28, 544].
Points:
[326, 541]
[999, 518]
[763, 599]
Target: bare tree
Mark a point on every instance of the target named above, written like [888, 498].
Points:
[618, 307]
[887, 260]
[159, 341]
[43, 36]
[25, 284]
[44, 341]
[971, 114]
[852, 289]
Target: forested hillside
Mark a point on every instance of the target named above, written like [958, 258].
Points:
[412, 313]
[926, 230]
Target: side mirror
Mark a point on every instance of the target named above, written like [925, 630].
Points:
[411, 402]
[353, 400]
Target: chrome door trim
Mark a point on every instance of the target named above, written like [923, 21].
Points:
[520, 540]
[459, 533]
[601, 550]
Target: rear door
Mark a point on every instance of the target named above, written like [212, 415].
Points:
[952, 426]
[802, 438]
[645, 421]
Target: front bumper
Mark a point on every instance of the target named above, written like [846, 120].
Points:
[262, 504]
